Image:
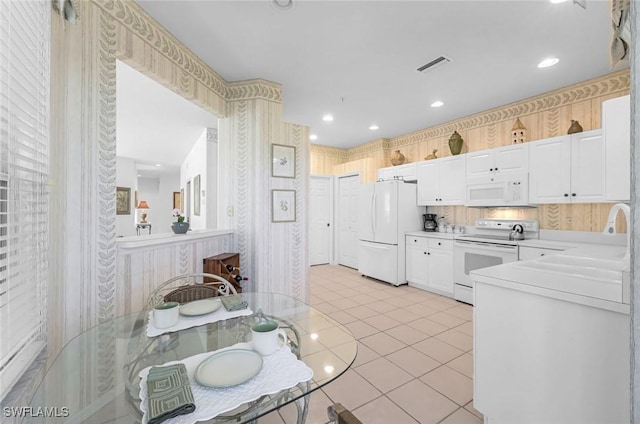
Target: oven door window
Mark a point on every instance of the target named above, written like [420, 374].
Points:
[473, 261]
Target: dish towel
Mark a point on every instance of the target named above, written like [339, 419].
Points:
[169, 393]
[233, 303]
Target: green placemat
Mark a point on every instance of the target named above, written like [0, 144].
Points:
[168, 393]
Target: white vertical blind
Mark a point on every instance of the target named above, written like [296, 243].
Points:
[24, 168]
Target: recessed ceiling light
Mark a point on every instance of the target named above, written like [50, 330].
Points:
[437, 103]
[374, 127]
[313, 137]
[327, 118]
[158, 165]
[139, 175]
[550, 61]
[557, 1]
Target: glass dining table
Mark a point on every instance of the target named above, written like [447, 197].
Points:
[96, 377]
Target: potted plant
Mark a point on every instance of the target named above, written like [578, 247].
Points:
[180, 226]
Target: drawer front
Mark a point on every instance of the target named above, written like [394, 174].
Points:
[435, 243]
[527, 253]
[420, 242]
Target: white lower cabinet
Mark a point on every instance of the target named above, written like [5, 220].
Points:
[429, 264]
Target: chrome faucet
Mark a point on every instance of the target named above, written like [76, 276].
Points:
[610, 228]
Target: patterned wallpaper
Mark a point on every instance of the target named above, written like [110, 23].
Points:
[544, 116]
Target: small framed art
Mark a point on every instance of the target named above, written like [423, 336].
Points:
[123, 200]
[283, 161]
[283, 205]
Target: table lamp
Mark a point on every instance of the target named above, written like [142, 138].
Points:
[143, 216]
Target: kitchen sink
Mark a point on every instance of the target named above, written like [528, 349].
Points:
[579, 261]
[605, 270]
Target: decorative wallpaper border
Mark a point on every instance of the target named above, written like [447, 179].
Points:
[333, 152]
[370, 147]
[130, 15]
[254, 89]
[608, 84]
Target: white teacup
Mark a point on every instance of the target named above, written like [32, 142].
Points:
[166, 314]
[266, 337]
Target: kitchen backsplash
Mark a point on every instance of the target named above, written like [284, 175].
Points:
[544, 116]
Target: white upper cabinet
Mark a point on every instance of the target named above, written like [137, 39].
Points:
[567, 169]
[503, 160]
[616, 126]
[442, 181]
[587, 167]
[406, 172]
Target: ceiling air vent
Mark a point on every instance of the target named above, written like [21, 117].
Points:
[434, 64]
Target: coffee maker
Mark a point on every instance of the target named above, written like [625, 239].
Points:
[430, 223]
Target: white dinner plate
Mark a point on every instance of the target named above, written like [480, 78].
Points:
[200, 307]
[229, 368]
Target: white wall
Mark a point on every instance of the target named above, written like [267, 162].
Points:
[158, 192]
[211, 199]
[126, 176]
[196, 164]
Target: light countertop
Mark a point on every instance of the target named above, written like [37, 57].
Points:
[588, 274]
[432, 234]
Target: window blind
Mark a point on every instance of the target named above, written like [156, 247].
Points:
[24, 173]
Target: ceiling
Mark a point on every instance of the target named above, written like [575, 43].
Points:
[154, 125]
[357, 60]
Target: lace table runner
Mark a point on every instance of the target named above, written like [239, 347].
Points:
[280, 370]
[185, 322]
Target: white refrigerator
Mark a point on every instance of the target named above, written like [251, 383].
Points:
[386, 211]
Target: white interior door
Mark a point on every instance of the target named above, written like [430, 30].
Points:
[347, 212]
[320, 231]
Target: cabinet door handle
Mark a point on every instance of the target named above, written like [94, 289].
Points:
[425, 253]
[542, 254]
[429, 253]
[573, 194]
[496, 169]
[439, 244]
[566, 195]
[490, 169]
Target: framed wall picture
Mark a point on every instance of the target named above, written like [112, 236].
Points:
[123, 201]
[283, 161]
[283, 205]
[196, 195]
[177, 200]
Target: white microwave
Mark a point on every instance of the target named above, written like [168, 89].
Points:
[502, 190]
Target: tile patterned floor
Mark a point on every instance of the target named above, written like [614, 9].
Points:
[414, 362]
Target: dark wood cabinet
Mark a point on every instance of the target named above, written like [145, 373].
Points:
[218, 265]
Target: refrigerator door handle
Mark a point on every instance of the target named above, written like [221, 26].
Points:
[374, 215]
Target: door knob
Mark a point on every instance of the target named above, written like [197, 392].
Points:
[328, 224]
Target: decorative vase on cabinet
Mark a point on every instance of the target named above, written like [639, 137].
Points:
[455, 143]
[397, 158]
[575, 127]
[180, 227]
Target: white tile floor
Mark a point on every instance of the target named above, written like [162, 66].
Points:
[414, 362]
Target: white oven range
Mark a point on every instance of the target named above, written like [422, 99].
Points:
[488, 244]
